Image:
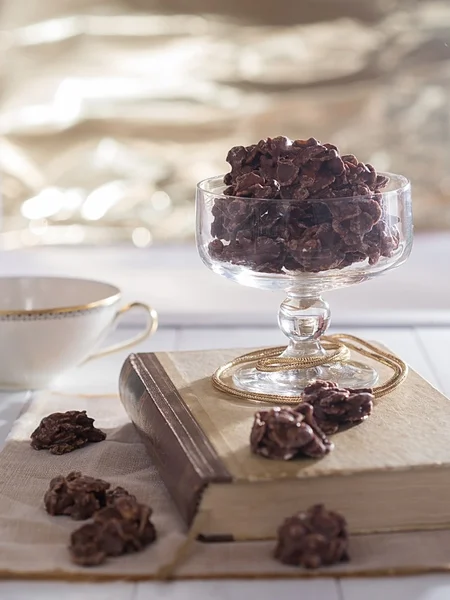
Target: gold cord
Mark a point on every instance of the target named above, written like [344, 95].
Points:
[339, 353]
[338, 348]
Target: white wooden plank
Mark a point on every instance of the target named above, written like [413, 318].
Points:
[97, 376]
[239, 590]
[402, 341]
[11, 405]
[209, 338]
[100, 375]
[414, 294]
[436, 344]
[163, 339]
[25, 590]
[429, 587]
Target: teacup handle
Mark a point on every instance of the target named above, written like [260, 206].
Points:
[150, 328]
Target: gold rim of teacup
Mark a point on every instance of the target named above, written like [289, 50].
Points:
[108, 301]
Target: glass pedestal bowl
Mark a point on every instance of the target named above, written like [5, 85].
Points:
[304, 248]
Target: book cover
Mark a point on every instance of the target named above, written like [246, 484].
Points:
[390, 473]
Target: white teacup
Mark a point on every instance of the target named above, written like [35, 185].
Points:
[49, 325]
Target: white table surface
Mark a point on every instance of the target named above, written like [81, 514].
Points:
[408, 310]
[426, 349]
[174, 280]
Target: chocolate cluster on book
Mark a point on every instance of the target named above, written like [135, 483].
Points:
[291, 432]
[64, 432]
[285, 433]
[336, 407]
[300, 206]
[313, 539]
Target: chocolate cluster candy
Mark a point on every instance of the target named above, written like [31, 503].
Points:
[327, 213]
[116, 494]
[313, 539]
[286, 433]
[64, 432]
[121, 528]
[120, 523]
[336, 407]
[79, 496]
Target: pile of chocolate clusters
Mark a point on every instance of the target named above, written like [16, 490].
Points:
[316, 537]
[284, 433]
[300, 206]
[121, 525]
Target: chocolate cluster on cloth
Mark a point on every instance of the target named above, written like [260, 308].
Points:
[336, 407]
[300, 206]
[312, 539]
[80, 496]
[120, 523]
[122, 527]
[286, 433]
[64, 432]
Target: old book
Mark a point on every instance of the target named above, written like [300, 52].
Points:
[391, 473]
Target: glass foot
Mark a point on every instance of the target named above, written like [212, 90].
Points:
[292, 383]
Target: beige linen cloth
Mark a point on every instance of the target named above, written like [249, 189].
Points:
[33, 545]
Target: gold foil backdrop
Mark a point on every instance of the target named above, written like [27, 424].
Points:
[111, 111]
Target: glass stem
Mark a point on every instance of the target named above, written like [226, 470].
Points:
[304, 320]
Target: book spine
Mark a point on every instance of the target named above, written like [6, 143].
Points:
[177, 445]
